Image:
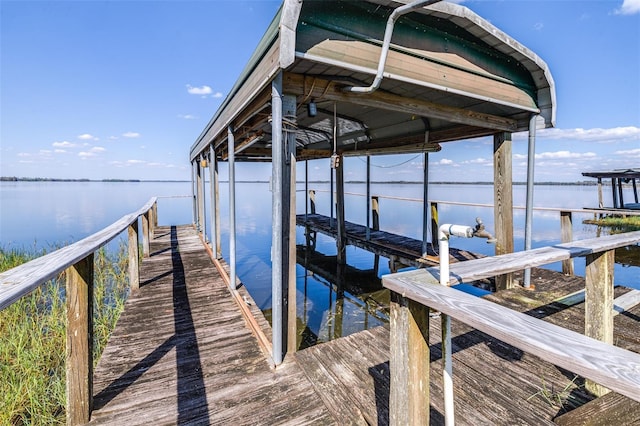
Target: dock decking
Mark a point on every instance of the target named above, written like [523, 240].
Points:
[398, 248]
[182, 354]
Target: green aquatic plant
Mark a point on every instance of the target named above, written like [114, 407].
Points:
[33, 337]
[617, 224]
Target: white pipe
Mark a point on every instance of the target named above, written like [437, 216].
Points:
[388, 32]
[444, 231]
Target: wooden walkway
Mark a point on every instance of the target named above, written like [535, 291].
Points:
[397, 248]
[182, 354]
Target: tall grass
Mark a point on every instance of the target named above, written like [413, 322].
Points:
[33, 338]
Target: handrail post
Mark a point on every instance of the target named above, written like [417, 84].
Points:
[434, 224]
[312, 201]
[598, 304]
[134, 257]
[566, 232]
[79, 348]
[154, 219]
[145, 234]
[375, 213]
[155, 214]
[408, 362]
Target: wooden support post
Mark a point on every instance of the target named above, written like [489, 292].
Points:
[375, 213]
[614, 193]
[566, 231]
[145, 234]
[599, 304]
[134, 257]
[408, 362]
[312, 201]
[600, 202]
[503, 201]
[341, 239]
[434, 224]
[152, 221]
[635, 189]
[79, 358]
[155, 214]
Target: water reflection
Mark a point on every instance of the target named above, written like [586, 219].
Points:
[354, 299]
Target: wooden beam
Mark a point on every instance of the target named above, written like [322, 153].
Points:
[134, 258]
[328, 90]
[566, 232]
[503, 201]
[598, 304]
[408, 362]
[79, 378]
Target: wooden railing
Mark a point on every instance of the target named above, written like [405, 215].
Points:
[565, 216]
[592, 356]
[76, 260]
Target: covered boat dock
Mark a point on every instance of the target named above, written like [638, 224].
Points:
[618, 179]
[360, 79]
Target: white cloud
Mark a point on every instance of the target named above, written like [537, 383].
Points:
[87, 137]
[136, 161]
[445, 161]
[629, 7]
[203, 90]
[131, 135]
[564, 154]
[24, 154]
[217, 95]
[113, 138]
[63, 144]
[97, 149]
[86, 154]
[187, 116]
[478, 161]
[613, 134]
[629, 152]
[538, 26]
[60, 151]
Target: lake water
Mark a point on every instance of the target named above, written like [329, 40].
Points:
[47, 214]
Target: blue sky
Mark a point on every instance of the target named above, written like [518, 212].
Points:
[121, 89]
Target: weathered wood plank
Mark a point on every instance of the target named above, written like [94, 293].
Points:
[611, 409]
[79, 352]
[599, 304]
[610, 366]
[200, 363]
[503, 200]
[409, 362]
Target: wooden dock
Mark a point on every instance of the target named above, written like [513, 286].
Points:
[400, 250]
[183, 354]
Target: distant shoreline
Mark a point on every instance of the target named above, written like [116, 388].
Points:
[394, 182]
